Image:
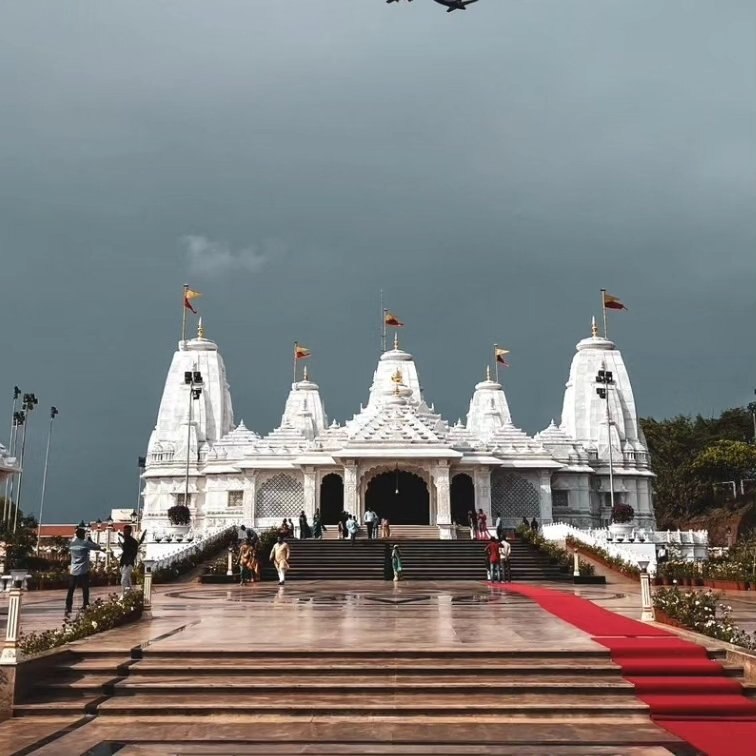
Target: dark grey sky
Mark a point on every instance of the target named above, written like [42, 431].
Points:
[491, 170]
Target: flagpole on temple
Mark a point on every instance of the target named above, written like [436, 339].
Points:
[603, 311]
[383, 325]
[183, 314]
[296, 344]
[496, 362]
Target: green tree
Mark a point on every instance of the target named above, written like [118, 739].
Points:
[726, 460]
[683, 482]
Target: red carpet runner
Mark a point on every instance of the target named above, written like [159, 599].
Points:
[688, 693]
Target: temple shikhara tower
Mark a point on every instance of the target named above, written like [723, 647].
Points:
[397, 455]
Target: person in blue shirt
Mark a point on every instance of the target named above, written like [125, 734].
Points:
[79, 548]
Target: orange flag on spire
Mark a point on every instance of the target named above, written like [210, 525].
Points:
[391, 320]
[301, 353]
[613, 303]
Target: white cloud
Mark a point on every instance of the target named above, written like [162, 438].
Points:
[214, 258]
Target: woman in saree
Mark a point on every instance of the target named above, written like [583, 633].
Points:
[317, 526]
[245, 562]
[396, 563]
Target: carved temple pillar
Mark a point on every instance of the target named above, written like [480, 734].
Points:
[544, 496]
[248, 502]
[483, 491]
[351, 497]
[443, 500]
[310, 487]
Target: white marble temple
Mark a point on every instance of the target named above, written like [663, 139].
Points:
[235, 475]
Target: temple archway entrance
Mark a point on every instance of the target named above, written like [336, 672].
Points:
[331, 498]
[401, 496]
[462, 498]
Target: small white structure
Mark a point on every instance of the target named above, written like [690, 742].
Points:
[397, 455]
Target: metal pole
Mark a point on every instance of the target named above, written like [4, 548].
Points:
[139, 498]
[611, 455]
[603, 311]
[20, 474]
[53, 412]
[11, 445]
[183, 316]
[188, 442]
[296, 344]
[496, 363]
[383, 325]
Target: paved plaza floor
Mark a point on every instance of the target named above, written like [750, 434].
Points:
[324, 617]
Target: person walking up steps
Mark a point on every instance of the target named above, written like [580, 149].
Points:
[279, 556]
[505, 558]
[368, 520]
[494, 561]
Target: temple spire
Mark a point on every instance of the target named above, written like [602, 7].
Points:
[396, 340]
[594, 327]
[305, 376]
[488, 372]
[200, 329]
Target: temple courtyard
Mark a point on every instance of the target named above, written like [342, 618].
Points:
[373, 667]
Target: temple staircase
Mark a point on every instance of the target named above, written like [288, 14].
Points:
[422, 559]
[416, 700]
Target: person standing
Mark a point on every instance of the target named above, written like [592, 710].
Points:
[472, 522]
[482, 525]
[279, 556]
[352, 527]
[525, 523]
[396, 563]
[317, 526]
[369, 523]
[385, 528]
[499, 527]
[534, 525]
[129, 550]
[80, 547]
[505, 558]
[245, 563]
[494, 561]
[304, 527]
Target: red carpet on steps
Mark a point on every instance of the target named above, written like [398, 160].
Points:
[687, 693]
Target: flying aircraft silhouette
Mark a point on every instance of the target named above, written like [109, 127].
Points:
[452, 5]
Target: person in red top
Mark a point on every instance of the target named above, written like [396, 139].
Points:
[494, 560]
[482, 525]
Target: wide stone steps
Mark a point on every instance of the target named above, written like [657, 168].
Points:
[421, 560]
[366, 703]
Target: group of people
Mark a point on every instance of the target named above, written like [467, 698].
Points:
[498, 564]
[349, 526]
[532, 525]
[478, 524]
[80, 548]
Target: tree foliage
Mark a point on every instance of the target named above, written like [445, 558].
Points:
[689, 454]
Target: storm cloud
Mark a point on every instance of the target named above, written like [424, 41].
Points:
[489, 170]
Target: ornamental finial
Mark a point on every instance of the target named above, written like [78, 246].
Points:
[200, 330]
[396, 340]
[594, 327]
[305, 376]
[488, 373]
[397, 377]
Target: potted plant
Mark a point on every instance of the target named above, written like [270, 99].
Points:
[622, 517]
[180, 518]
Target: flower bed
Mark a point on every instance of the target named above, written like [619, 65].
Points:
[604, 557]
[556, 553]
[702, 612]
[103, 614]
